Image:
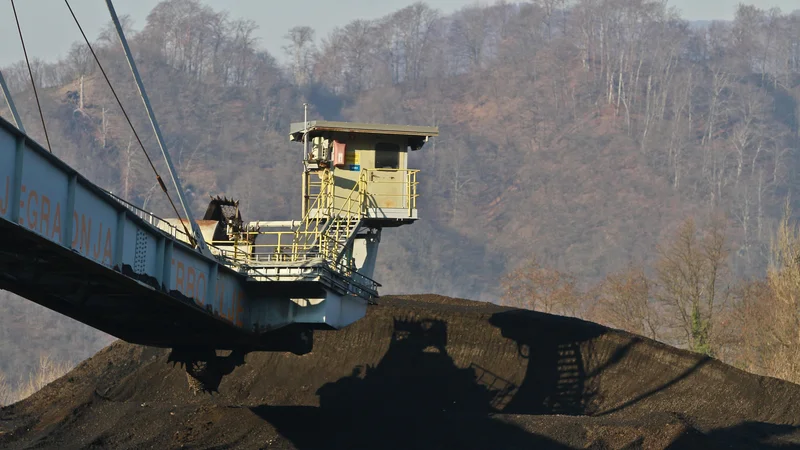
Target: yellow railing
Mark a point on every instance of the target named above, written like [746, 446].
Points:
[285, 246]
[280, 251]
[408, 195]
[341, 221]
[306, 235]
[323, 231]
[329, 221]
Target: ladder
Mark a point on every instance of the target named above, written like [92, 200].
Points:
[331, 231]
[337, 235]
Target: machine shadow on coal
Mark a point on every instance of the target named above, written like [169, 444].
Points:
[417, 397]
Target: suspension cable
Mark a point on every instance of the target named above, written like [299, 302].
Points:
[30, 73]
[130, 123]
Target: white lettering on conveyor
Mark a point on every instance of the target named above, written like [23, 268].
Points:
[38, 213]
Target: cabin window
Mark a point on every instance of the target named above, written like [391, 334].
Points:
[387, 156]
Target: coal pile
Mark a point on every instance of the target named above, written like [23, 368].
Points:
[421, 372]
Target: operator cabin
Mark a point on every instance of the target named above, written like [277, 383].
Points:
[376, 154]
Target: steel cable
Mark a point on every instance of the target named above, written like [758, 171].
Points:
[30, 73]
[130, 123]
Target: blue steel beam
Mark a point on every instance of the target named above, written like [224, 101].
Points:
[59, 212]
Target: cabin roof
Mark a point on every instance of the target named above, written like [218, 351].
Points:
[316, 127]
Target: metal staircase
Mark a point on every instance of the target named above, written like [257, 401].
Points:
[331, 222]
[338, 235]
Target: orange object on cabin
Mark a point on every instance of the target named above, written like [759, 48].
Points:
[338, 153]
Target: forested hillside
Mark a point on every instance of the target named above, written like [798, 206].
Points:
[583, 132]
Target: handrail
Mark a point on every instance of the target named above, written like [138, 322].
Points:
[346, 277]
[304, 231]
[171, 230]
[333, 247]
[331, 219]
[150, 218]
[409, 180]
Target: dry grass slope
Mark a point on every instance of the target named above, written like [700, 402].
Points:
[47, 370]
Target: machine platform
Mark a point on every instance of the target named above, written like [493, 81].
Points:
[73, 247]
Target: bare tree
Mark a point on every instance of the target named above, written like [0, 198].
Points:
[550, 8]
[302, 50]
[6, 393]
[626, 302]
[243, 48]
[544, 289]
[469, 34]
[767, 313]
[783, 278]
[693, 281]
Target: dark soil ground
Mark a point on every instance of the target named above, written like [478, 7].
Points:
[421, 372]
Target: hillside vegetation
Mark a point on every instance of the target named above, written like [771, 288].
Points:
[582, 132]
